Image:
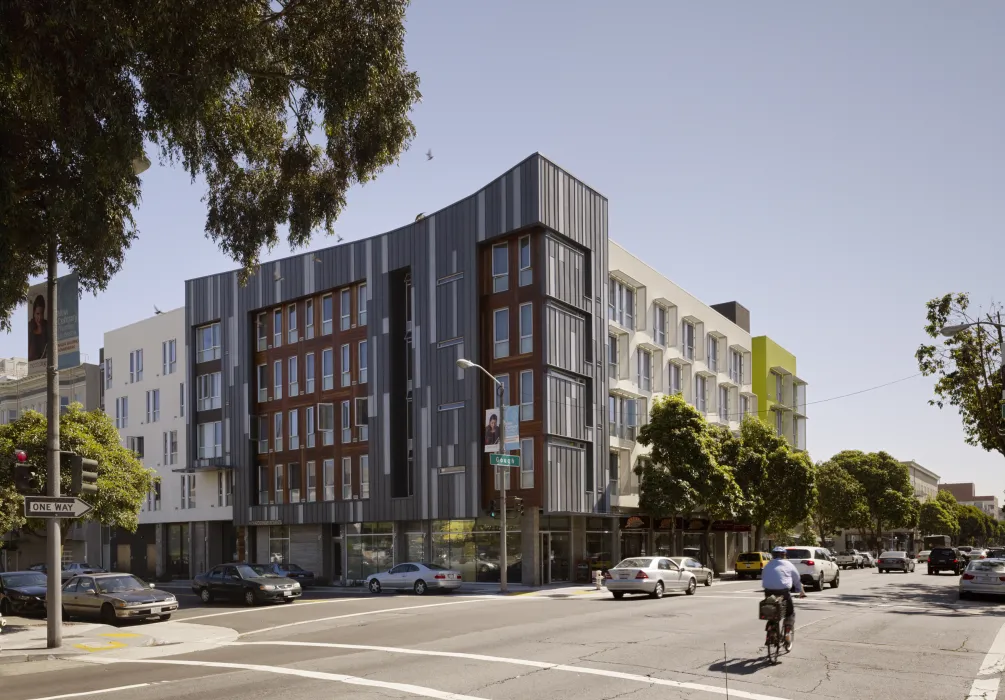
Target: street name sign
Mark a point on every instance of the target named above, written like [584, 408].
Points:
[54, 507]
[498, 460]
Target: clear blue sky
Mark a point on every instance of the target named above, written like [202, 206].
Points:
[832, 167]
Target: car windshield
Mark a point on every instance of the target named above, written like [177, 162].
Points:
[263, 571]
[893, 555]
[119, 584]
[987, 565]
[435, 567]
[634, 564]
[246, 571]
[847, 553]
[678, 560]
[943, 550]
[23, 580]
[749, 556]
[291, 567]
[798, 554]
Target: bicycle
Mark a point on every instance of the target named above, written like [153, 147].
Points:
[772, 608]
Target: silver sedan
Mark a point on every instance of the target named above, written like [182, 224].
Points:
[895, 561]
[416, 577]
[702, 573]
[650, 575]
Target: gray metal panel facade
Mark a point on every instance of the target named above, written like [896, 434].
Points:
[445, 327]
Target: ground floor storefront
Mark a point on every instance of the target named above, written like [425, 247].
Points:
[645, 536]
[166, 551]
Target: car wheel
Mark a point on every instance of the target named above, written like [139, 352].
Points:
[837, 580]
[165, 618]
[420, 587]
[708, 580]
[108, 615]
[818, 585]
[931, 572]
[249, 598]
[657, 590]
[205, 596]
[374, 586]
[5, 607]
[691, 586]
[964, 595]
[618, 595]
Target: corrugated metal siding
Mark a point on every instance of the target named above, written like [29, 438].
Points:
[566, 404]
[305, 547]
[567, 338]
[566, 278]
[565, 491]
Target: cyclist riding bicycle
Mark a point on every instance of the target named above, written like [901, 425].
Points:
[780, 577]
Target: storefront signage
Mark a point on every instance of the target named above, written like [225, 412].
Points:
[635, 522]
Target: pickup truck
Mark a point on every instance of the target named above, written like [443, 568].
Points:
[850, 559]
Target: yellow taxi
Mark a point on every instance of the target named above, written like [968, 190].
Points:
[750, 564]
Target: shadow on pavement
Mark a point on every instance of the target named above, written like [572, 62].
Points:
[936, 599]
[740, 667]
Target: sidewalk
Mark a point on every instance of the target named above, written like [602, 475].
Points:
[27, 642]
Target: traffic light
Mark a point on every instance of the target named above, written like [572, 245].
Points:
[83, 474]
[26, 480]
[493, 512]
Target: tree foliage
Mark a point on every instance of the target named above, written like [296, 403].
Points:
[975, 525]
[935, 518]
[886, 487]
[967, 368]
[123, 482]
[840, 501]
[239, 92]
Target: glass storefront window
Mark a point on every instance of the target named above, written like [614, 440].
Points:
[416, 546]
[598, 549]
[473, 548]
[279, 544]
[369, 549]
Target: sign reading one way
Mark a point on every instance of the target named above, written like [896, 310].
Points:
[53, 507]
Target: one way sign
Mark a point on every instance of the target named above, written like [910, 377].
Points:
[52, 507]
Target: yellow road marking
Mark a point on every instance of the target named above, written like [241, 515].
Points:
[101, 647]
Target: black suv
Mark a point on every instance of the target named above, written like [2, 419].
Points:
[945, 559]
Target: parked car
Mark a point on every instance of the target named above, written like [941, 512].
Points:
[964, 551]
[116, 597]
[895, 561]
[750, 564]
[945, 559]
[983, 576]
[701, 573]
[977, 553]
[816, 566]
[417, 577]
[250, 583]
[923, 556]
[650, 575]
[869, 560]
[850, 559]
[70, 569]
[22, 592]
[292, 571]
[996, 553]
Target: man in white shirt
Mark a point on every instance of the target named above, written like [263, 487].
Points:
[780, 577]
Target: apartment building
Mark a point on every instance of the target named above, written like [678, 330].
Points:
[924, 481]
[186, 521]
[19, 393]
[966, 494]
[354, 438]
[781, 394]
[663, 340]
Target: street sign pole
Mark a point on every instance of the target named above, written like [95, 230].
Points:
[503, 473]
[53, 538]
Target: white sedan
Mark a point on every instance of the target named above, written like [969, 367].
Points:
[649, 575]
[416, 577]
[983, 576]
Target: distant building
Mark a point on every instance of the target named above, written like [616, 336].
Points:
[781, 394]
[966, 494]
[924, 481]
[13, 368]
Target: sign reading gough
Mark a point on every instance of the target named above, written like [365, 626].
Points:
[67, 325]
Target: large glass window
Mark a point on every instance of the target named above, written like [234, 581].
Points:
[277, 432]
[527, 395]
[292, 334]
[363, 361]
[294, 429]
[326, 314]
[346, 478]
[361, 304]
[500, 321]
[279, 544]
[309, 373]
[473, 548]
[277, 328]
[526, 464]
[526, 328]
[210, 440]
[346, 369]
[309, 318]
[346, 309]
[294, 377]
[327, 370]
[660, 325]
[370, 549]
[500, 267]
[526, 273]
[277, 380]
[207, 341]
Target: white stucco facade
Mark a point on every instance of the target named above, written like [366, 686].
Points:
[662, 340]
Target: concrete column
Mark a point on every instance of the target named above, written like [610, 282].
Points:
[427, 546]
[720, 544]
[615, 540]
[327, 551]
[578, 537]
[400, 543]
[530, 541]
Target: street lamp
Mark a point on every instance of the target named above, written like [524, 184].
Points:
[504, 471]
[950, 331]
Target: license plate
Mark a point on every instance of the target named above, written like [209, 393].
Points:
[985, 579]
[287, 593]
[155, 611]
[622, 575]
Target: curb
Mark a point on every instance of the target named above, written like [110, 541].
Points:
[42, 656]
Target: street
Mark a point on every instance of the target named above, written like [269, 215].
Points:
[876, 636]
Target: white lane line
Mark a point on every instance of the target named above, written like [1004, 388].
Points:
[419, 690]
[96, 692]
[983, 689]
[269, 609]
[821, 619]
[716, 690]
[382, 611]
[994, 660]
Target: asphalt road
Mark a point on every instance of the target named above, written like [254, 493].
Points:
[876, 636]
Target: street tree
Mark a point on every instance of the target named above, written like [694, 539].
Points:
[974, 524]
[934, 518]
[840, 502]
[886, 487]
[123, 482]
[967, 368]
[280, 106]
[777, 482]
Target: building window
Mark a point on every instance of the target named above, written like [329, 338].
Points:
[526, 273]
[263, 435]
[364, 476]
[744, 406]
[328, 466]
[312, 482]
[309, 373]
[277, 431]
[292, 334]
[687, 341]
[326, 314]
[778, 423]
[361, 304]
[294, 429]
[346, 307]
[169, 355]
[181, 399]
[135, 366]
[262, 331]
[660, 325]
[500, 324]
[700, 386]
[207, 341]
[779, 395]
[346, 423]
[527, 395]
[622, 417]
[327, 370]
[621, 304]
[135, 444]
[310, 426]
[527, 463]
[613, 370]
[224, 488]
[346, 370]
[207, 387]
[187, 491]
[326, 423]
[279, 492]
[346, 478]
[210, 440]
[526, 328]
[122, 412]
[713, 353]
[171, 447]
[294, 474]
[500, 267]
[263, 485]
[277, 380]
[362, 420]
[294, 378]
[644, 358]
[503, 380]
[675, 378]
[736, 367]
[108, 373]
[263, 383]
[277, 328]
[153, 406]
[363, 363]
[613, 467]
[724, 404]
[157, 496]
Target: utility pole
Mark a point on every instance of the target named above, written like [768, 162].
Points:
[53, 540]
[503, 473]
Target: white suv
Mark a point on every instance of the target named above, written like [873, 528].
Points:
[816, 566]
